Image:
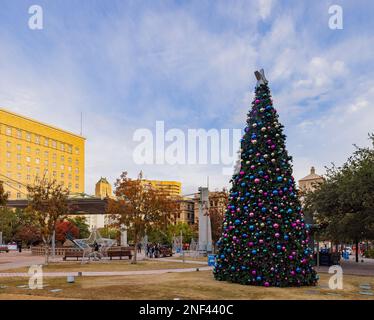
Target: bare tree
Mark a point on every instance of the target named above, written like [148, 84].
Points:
[48, 203]
[139, 206]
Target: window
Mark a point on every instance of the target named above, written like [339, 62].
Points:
[69, 168]
[19, 148]
[54, 165]
[28, 159]
[19, 134]
[76, 170]
[62, 167]
[28, 177]
[28, 136]
[62, 147]
[54, 156]
[8, 131]
[37, 171]
[46, 162]
[70, 148]
[8, 164]
[37, 152]
[37, 139]
[76, 177]
[69, 160]
[54, 173]
[37, 161]
[28, 149]
[70, 176]
[76, 186]
[8, 154]
[62, 175]
[19, 167]
[62, 158]
[77, 162]
[46, 154]
[8, 144]
[28, 169]
[54, 143]
[46, 142]
[18, 195]
[18, 156]
[76, 150]
[18, 176]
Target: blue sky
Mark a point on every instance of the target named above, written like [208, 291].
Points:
[126, 64]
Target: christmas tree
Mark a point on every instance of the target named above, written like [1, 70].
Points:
[264, 240]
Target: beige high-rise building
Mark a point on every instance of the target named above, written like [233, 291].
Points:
[103, 189]
[309, 182]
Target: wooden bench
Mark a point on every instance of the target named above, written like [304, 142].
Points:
[119, 252]
[73, 253]
[4, 248]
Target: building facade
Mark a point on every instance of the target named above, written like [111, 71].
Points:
[31, 150]
[186, 213]
[309, 182]
[170, 188]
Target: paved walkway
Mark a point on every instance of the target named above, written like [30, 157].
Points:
[106, 273]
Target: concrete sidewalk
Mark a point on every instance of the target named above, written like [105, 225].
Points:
[106, 273]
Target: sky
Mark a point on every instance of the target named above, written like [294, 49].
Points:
[127, 64]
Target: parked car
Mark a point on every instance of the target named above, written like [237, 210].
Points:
[166, 251]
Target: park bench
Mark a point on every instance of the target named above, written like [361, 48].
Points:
[4, 248]
[73, 253]
[120, 252]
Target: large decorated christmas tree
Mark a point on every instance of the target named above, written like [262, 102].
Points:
[265, 238]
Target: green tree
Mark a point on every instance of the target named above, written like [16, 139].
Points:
[345, 201]
[180, 228]
[81, 223]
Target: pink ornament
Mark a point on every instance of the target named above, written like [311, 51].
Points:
[266, 284]
[251, 214]
[257, 101]
[277, 235]
[241, 172]
[257, 180]
[275, 225]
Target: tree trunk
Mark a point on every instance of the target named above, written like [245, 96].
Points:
[46, 253]
[356, 250]
[133, 261]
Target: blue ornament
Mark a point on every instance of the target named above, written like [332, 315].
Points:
[251, 227]
[286, 237]
[275, 192]
[280, 178]
[237, 221]
[258, 278]
[254, 251]
[263, 209]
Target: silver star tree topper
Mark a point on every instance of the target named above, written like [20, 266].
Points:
[260, 76]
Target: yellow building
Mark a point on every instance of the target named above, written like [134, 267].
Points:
[103, 189]
[171, 188]
[31, 150]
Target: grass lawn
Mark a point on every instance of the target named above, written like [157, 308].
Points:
[190, 285]
[107, 265]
